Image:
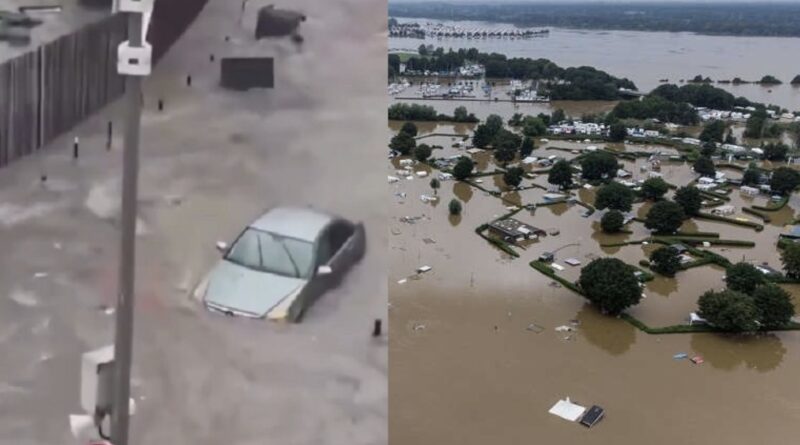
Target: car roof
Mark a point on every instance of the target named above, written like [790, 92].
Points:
[294, 222]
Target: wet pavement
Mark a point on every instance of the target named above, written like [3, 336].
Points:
[476, 357]
[212, 161]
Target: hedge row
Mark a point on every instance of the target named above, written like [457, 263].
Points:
[752, 225]
[547, 270]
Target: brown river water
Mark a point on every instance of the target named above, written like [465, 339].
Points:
[466, 368]
[648, 57]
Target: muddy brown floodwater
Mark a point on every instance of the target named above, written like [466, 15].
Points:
[475, 357]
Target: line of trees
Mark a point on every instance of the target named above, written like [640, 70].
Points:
[415, 112]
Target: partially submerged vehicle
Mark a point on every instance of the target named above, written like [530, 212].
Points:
[281, 263]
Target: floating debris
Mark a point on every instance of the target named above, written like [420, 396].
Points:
[40, 275]
[697, 360]
[535, 328]
[680, 356]
[423, 269]
[396, 231]
[402, 281]
[428, 241]
[419, 327]
[564, 328]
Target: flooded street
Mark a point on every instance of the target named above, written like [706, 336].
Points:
[475, 355]
[648, 57]
[211, 162]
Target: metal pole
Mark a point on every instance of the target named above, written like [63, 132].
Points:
[123, 341]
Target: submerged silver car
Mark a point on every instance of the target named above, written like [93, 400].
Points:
[281, 263]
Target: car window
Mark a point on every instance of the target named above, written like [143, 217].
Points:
[268, 252]
[324, 248]
[341, 231]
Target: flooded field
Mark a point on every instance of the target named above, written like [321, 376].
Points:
[648, 57]
[476, 358]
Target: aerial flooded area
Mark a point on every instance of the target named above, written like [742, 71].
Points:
[647, 58]
[482, 344]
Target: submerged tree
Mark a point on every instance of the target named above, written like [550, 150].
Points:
[409, 128]
[513, 176]
[560, 174]
[610, 284]
[463, 168]
[612, 221]
[743, 277]
[665, 217]
[422, 152]
[654, 188]
[705, 166]
[729, 310]
[666, 261]
[774, 305]
[614, 196]
[690, 199]
[599, 165]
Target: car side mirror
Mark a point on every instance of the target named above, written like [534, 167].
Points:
[324, 270]
[222, 246]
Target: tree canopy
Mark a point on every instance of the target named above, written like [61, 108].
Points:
[666, 261]
[527, 147]
[689, 199]
[533, 126]
[713, 131]
[743, 277]
[775, 151]
[513, 176]
[729, 310]
[612, 221]
[704, 166]
[665, 217]
[784, 180]
[402, 143]
[463, 168]
[775, 307]
[599, 165]
[560, 174]
[610, 284]
[654, 188]
[790, 257]
[614, 196]
[409, 128]
[617, 132]
[422, 152]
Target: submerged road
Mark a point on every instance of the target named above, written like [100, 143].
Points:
[212, 160]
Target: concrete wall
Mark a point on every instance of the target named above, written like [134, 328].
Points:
[48, 90]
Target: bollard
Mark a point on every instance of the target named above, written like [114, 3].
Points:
[376, 330]
[109, 135]
[189, 80]
[75, 144]
[160, 105]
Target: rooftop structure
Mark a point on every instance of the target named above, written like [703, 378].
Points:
[513, 230]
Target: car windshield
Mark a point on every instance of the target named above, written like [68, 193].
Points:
[268, 252]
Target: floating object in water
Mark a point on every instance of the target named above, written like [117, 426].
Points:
[697, 360]
[680, 356]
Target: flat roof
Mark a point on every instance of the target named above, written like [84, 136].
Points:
[72, 17]
[513, 226]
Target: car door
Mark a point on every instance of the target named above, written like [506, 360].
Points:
[342, 243]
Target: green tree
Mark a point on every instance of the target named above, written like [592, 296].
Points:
[689, 199]
[560, 174]
[558, 116]
[409, 128]
[402, 143]
[454, 207]
[790, 257]
[422, 152]
[460, 114]
[482, 136]
[612, 221]
[743, 277]
[666, 261]
[614, 196]
[754, 128]
[610, 285]
[751, 176]
[504, 155]
[599, 165]
[784, 180]
[463, 168]
[713, 131]
[618, 132]
[704, 166]
[774, 305]
[709, 148]
[494, 123]
[665, 217]
[654, 188]
[533, 126]
[527, 147]
[435, 184]
[770, 80]
[513, 176]
[516, 120]
[507, 140]
[776, 151]
[729, 310]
